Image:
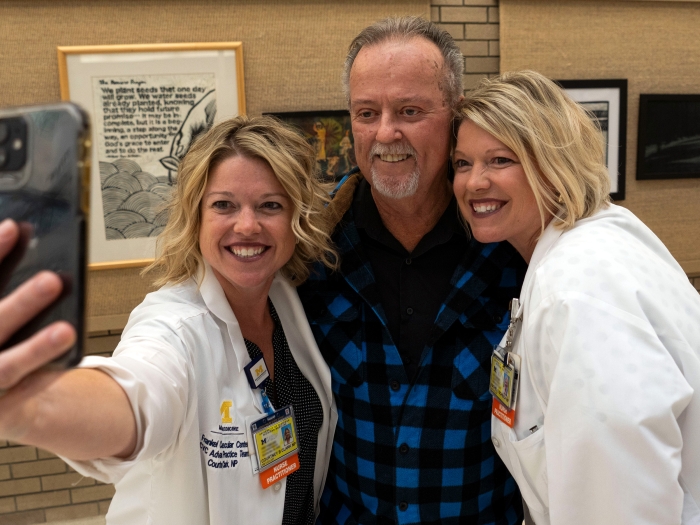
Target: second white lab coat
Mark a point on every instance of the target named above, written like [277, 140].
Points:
[607, 427]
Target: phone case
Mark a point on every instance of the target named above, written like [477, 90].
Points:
[44, 187]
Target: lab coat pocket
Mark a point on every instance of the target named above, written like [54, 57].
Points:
[528, 457]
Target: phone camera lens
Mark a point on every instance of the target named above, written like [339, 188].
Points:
[13, 142]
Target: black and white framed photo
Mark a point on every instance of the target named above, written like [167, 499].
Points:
[607, 101]
[668, 143]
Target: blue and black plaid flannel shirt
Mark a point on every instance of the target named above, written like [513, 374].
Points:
[422, 452]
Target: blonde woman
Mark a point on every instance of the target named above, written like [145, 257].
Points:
[605, 427]
[170, 418]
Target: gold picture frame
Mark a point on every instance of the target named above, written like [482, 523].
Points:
[146, 102]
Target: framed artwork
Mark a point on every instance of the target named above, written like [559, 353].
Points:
[668, 139]
[607, 101]
[146, 103]
[330, 133]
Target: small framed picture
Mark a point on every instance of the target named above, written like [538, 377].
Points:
[330, 133]
[668, 143]
[606, 100]
[147, 103]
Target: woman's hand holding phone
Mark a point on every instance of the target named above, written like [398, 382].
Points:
[68, 402]
[28, 300]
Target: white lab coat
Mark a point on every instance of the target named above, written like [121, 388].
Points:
[607, 425]
[180, 362]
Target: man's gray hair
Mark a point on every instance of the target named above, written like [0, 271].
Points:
[406, 28]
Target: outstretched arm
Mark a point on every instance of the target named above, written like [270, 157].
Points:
[80, 414]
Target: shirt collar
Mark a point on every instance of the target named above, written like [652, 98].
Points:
[213, 294]
[549, 237]
[216, 302]
[546, 241]
[367, 218]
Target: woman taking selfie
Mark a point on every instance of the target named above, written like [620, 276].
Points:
[602, 425]
[189, 416]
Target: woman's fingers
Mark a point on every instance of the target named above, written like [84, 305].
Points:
[18, 308]
[31, 354]
[27, 301]
[9, 232]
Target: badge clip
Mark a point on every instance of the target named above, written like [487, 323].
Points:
[505, 371]
[256, 372]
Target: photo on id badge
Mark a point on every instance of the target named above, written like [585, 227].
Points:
[287, 434]
[502, 378]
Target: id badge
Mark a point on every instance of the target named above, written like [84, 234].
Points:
[503, 377]
[503, 385]
[276, 445]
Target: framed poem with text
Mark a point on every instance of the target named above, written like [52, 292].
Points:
[668, 142]
[147, 103]
[606, 100]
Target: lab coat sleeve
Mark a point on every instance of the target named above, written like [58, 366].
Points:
[613, 394]
[151, 365]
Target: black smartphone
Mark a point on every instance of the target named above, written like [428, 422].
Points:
[44, 187]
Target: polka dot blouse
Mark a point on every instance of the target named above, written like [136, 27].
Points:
[290, 387]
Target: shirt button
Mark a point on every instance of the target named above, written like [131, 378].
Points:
[403, 448]
[409, 261]
[498, 319]
[409, 311]
[496, 443]
[403, 506]
[278, 486]
[395, 385]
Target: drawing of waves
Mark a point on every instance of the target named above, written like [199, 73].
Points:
[133, 200]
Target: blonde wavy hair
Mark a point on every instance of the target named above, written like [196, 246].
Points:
[293, 162]
[559, 145]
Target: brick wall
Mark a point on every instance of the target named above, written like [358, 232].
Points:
[695, 281]
[474, 25]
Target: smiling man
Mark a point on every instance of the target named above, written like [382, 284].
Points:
[408, 323]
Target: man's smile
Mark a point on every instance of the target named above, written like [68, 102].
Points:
[393, 158]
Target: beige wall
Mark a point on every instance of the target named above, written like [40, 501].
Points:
[655, 46]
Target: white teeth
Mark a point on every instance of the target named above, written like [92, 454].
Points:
[393, 158]
[483, 208]
[247, 252]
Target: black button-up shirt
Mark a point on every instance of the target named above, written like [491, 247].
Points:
[412, 285]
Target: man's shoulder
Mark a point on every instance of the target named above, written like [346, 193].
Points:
[488, 260]
[342, 197]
